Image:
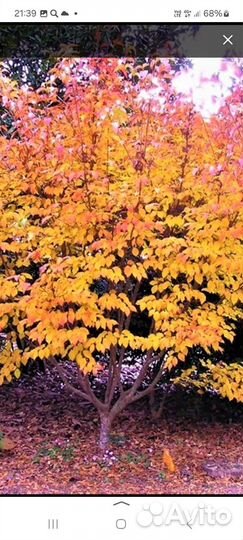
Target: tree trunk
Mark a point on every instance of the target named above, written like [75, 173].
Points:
[105, 427]
[156, 409]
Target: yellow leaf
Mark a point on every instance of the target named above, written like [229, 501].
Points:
[135, 252]
[71, 316]
[17, 373]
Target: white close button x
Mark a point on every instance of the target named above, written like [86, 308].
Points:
[228, 39]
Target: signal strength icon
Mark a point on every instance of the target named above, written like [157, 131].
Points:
[197, 14]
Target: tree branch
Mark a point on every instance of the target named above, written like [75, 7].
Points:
[147, 390]
[112, 369]
[65, 381]
[100, 405]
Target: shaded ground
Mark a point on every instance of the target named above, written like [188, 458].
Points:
[56, 444]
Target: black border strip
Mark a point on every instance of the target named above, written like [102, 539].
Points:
[124, 496]
[183, 40]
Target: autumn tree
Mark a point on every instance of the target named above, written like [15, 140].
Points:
[123, 183]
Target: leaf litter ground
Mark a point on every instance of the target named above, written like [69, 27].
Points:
[56, 440]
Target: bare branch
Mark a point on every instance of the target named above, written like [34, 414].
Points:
[112, 367]
[100, 405]
[115, 382]
[147, 390]
[67, 384]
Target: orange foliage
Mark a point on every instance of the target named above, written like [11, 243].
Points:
[112, 183]
[168, 461]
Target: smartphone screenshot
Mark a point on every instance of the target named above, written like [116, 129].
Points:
[121, 271]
